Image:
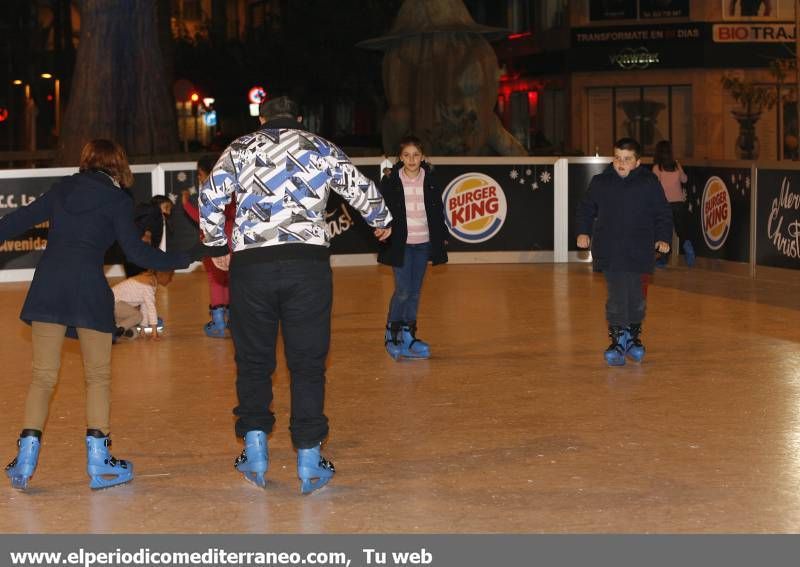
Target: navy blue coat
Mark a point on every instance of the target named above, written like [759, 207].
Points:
[624, 216]
[391, 188]
[87, 213]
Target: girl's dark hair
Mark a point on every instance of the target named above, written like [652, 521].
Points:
[206, 163]
[410, 141]
[663, 157]
[107, 156]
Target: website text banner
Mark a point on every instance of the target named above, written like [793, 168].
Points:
[718, 204]
[778, 219]
[398, 550]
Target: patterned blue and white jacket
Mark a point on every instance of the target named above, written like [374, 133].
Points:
[281, 177]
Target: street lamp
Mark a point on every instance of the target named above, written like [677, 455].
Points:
[56, 101]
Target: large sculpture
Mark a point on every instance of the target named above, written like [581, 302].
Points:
[440, 76]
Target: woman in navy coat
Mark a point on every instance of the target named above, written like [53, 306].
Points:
[69, 296]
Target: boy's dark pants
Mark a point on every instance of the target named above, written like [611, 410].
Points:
[297, 294]
[625, 304]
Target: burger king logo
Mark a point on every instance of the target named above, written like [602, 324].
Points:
[475, 207]
[716, 213]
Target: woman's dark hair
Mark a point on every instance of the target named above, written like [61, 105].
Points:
[109, 157]
[410, 141]
[663, 157]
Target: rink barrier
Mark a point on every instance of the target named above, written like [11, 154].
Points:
[500, 210]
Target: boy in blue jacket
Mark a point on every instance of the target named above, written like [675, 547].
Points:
[627, 215]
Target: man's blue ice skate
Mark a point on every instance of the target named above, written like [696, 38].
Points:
[412, 347]
[254, 460]
[21, 468]
[103, 469]
[634, 347]
[313, 470]
[216, 327]
[615, 353]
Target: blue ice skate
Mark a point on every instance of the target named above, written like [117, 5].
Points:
[254, 460]
[634, 347]
[313, 470]
[412, 347]
[21, 468]
[216, 327]
[104, 470]
[615, 353]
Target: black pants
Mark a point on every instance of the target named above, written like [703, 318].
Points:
[680, 220]
[296, 294]
[626, 303]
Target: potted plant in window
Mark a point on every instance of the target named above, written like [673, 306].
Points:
[753, 99]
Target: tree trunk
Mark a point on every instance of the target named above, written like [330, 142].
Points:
[119, 89]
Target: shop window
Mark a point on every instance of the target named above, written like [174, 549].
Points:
[648, 114]
[550, 14]
[550, 122]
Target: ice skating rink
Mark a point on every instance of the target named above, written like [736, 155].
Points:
[515, 425]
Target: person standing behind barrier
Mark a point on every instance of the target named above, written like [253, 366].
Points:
[672, 177]
[280, 274]
[218, 280]
[69, 295]
[419, 236]
[626, 214]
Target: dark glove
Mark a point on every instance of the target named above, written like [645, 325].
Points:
[200, 251]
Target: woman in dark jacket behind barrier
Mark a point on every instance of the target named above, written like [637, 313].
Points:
[70, 296]
[419, 235]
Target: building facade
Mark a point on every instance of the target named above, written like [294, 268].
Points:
[586, 72]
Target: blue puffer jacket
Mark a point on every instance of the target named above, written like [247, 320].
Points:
[625, 216]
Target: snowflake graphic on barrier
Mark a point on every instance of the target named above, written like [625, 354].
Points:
[534, 186]
[545, 177]
[513, 174]
[182, 176]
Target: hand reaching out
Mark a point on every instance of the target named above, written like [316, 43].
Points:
[383, 233]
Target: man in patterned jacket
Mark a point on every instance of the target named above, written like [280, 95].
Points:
[280, 273]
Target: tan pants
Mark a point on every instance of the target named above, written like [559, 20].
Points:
[48, 339]
[126, 315]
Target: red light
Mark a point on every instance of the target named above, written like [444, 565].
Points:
[49, 97]
[195, 97]
[514, 36]
[3, 114]
[533, 98]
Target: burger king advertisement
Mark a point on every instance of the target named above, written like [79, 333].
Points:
[498, 207]
[487, 208]
[778, 219]
[718, 207]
